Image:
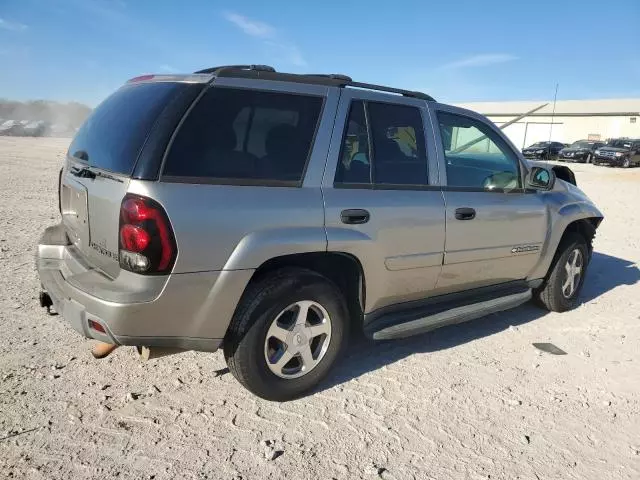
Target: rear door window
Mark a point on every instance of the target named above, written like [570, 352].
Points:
[398, 144]
[355, 166]
[396, 135]
[245, 136]
[112, 136]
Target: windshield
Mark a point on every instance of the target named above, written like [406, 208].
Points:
[539, 145]
[619, 143]
[581, 145]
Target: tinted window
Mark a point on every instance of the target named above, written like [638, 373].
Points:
[114, 133]
[397, 139]
[240, 134]
[476, 157]
[354, 165]
[397, 134]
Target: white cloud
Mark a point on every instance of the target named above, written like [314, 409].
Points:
[278, 48]
[12, 26]
[254, 28]
[482, 60]
[286, 52]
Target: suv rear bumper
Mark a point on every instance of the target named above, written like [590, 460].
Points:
[190, 311]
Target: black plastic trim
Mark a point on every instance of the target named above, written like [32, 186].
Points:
[261, 68]
[482, 190]
[151, 156]
[386, 186]
[248, 182]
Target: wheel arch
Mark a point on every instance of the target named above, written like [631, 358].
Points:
[586, 227]
[343, 269]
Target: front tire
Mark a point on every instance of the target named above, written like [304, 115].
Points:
[286, 334]
[626, 163]
[562, 288]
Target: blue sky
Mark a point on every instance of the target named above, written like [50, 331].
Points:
[455, 50]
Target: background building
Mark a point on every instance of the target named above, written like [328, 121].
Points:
[573, 119]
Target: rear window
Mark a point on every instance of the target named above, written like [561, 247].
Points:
[245, 136]
[114, 133]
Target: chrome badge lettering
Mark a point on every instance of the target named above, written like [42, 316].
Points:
[525, 248]
[103, 251]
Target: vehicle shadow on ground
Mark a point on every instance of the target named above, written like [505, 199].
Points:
[605, 273]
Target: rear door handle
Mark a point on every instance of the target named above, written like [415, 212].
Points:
[354, 216]
[465, 213]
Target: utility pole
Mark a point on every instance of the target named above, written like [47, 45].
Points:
[553, 112]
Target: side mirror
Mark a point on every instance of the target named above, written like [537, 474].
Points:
[541, 178]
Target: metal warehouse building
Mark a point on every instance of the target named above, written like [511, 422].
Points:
[573, 119]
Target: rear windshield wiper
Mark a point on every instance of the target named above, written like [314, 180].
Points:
[108, 175]
[86, 172]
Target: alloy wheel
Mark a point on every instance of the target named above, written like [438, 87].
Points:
[573, 269]
[297, 339]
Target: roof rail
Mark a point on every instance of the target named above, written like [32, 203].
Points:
[259, 68]
[332, 79]
[382, 88]
[333, 76]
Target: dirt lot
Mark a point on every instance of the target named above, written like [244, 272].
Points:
[471, 401]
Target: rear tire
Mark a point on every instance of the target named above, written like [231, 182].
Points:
[626, 163]
[561, 290]
[588, 159]
[253, 349]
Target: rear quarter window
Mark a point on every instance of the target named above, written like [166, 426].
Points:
[242, 136]
[112, 136]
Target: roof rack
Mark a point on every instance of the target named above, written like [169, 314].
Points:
[399, 91]
[258, 68]
[334, 76]
[266, 72]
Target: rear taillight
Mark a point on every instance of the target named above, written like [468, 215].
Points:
[145, 240]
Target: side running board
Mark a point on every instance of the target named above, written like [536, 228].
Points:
[454, 315]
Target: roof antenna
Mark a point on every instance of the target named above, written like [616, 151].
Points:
[553, 113]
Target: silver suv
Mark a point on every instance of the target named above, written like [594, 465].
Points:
[271, 214]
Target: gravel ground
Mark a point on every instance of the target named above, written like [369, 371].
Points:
[470, 401]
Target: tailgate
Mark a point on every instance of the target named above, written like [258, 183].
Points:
[101, 160]
[90, 215]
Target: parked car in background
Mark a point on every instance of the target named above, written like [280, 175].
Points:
[581, 151]
[543, 150]
[24, 128]
[10, 127]
[35, 129]
[619, 152]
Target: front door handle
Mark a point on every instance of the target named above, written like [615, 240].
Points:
[465, 213]
[354, 216]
